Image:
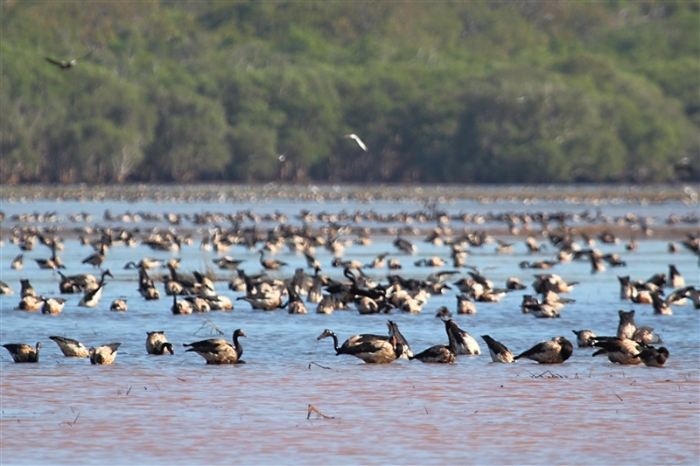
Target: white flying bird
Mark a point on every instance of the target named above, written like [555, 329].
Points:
[357, 140]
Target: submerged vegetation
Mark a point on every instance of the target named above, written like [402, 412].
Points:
[455, 92]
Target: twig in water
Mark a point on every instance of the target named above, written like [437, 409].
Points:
[618, 396]
[426, 409]
[74, 421]
[211, 325]
[312, 409]
[317, 364]
[551, 375]
[182, 380]
[129, 390]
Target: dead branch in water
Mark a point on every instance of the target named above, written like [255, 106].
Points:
[74, 421]
[210, 324]
[618, 396]
[550, 376]
[312, 409]
[317, 364]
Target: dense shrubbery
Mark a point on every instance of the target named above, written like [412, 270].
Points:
[440, 92]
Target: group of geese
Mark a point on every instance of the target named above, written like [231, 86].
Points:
[368, 297]
[631, 346]
[214, 350]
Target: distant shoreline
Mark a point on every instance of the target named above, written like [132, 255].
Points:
[574, 194]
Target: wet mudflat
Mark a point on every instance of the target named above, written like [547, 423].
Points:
[175, 409]
[404, 412]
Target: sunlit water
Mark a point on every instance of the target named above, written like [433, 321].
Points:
[175, 409]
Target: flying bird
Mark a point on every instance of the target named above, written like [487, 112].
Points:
[357, 140]
[65, 64]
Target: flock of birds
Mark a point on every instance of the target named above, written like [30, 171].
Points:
[196, 292]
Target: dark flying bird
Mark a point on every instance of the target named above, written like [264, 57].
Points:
[67, 64]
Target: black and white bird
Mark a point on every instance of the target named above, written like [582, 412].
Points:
[104, 354]
[627, 329]
[498, 351]
[441, 354]
[23, 353]
[67, 64]
[653, 357]
[118, 305]
[460, 341]
[401, 343]
[18, 262]
[372, 349]
[71, 348]
[52, 305]
[219, 351]
[555, 351]
[91, 298]
[584, 338]
[5, 288]
[158, 344]
[618, 350]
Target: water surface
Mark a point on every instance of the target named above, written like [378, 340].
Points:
[175, 409]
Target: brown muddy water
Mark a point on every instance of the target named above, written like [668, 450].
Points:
[177, 410]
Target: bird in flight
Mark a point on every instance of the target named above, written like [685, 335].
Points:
[64, 65]
[357, 140]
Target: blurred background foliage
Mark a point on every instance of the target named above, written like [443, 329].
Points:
[250, 91]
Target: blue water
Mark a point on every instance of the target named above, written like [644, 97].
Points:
[175, 409]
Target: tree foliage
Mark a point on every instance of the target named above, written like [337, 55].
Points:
[458, 92]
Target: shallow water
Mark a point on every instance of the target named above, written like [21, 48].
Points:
[175, 409]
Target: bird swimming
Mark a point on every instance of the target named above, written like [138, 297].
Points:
[498, 351]
[555, 351]
[653, 357]
[71, 348]
[158, 344]
[584, 338]
[618, 350]
[372, 349]
[104, 354]
[23, 353]
[460, 341]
